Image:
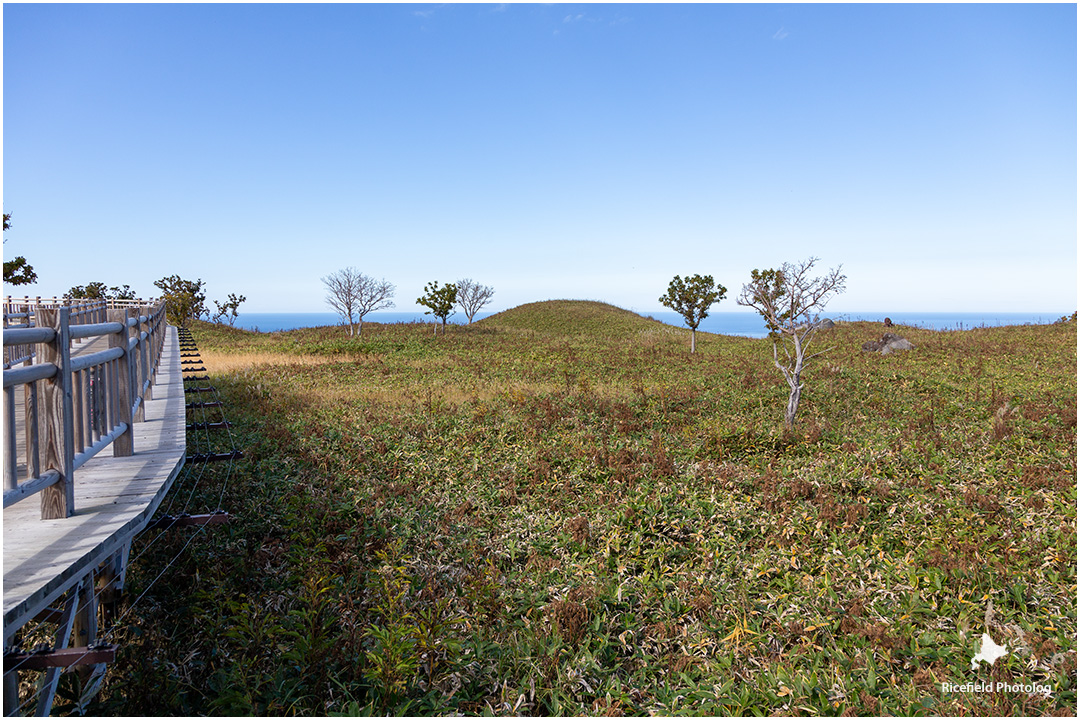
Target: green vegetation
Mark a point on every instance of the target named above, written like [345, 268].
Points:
[441, 301]
[100, 291]
[17, 271]
[692, 299]
[186, 299]
[557, 510]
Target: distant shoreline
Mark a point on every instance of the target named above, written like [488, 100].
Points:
[742, 324]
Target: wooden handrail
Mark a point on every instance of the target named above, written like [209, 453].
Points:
[88, 401]
[21, 313]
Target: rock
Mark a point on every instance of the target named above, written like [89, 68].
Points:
[822, 324]
[887, 344]
[897, 344]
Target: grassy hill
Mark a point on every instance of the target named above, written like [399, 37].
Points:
[559, 510]
[575, 317]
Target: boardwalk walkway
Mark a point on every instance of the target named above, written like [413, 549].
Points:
[114, 499]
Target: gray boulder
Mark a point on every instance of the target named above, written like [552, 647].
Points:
[822, 324]
[888, 343]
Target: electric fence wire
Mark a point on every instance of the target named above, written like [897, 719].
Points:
[116, 624]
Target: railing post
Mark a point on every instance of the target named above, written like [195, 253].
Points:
[146, 354]
[134, 363]
[58, 500]
[125, 444]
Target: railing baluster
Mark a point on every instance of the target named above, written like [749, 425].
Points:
[33, 454]
[87, 403]
[11, 479]
[80, 411]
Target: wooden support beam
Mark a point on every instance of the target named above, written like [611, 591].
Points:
[60, 660]
[63, 636]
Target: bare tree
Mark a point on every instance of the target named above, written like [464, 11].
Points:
[472, 296]
[789, 301]
[353, 295]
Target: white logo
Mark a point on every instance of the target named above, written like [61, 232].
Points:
[989, 652]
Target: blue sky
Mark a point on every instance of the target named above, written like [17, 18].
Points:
[551, 151]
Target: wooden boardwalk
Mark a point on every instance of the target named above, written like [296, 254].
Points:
[115, 497]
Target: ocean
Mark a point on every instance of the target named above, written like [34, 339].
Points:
[724, 323]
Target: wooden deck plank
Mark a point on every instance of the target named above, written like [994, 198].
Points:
[114, 499]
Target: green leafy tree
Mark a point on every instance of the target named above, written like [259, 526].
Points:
[692, 299]
[440, 300]
[790, 302]
[229, 309]
[99, 291]
[17, 271]
[186, 299]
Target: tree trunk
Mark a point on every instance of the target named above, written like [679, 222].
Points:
[693, 340]
[795, 383]
[793, 403]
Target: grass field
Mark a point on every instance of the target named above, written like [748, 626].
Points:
[560, 510]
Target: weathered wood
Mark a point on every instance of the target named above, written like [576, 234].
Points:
[82, 414]
[11, 472]
[146, 354]
[95, 329]
[138, 411]
[85, 630]
[62, 659]
[29, 336]
[31, 422]
[115, 497]
[58, 500]
[124, 445]
[29, 373]
[63, 636]
[87, 361]
[30, 487]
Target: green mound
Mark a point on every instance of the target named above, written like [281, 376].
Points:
[574, 317]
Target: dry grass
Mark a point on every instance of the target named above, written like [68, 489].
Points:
[224, 362]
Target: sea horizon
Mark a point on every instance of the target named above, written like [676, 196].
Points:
[743, 324]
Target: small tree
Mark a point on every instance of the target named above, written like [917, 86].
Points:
[440, 300]
[99, 291]
[186, 299]
[692, 298]
[790, 301]
[472, 296]
[17, 271]
[353, 295]
[228, 310]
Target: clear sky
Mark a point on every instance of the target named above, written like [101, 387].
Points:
[551, 151]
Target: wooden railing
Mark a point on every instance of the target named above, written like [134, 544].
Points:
[88, 401]
[22, 313]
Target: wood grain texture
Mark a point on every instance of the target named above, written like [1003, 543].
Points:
[114, 498]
